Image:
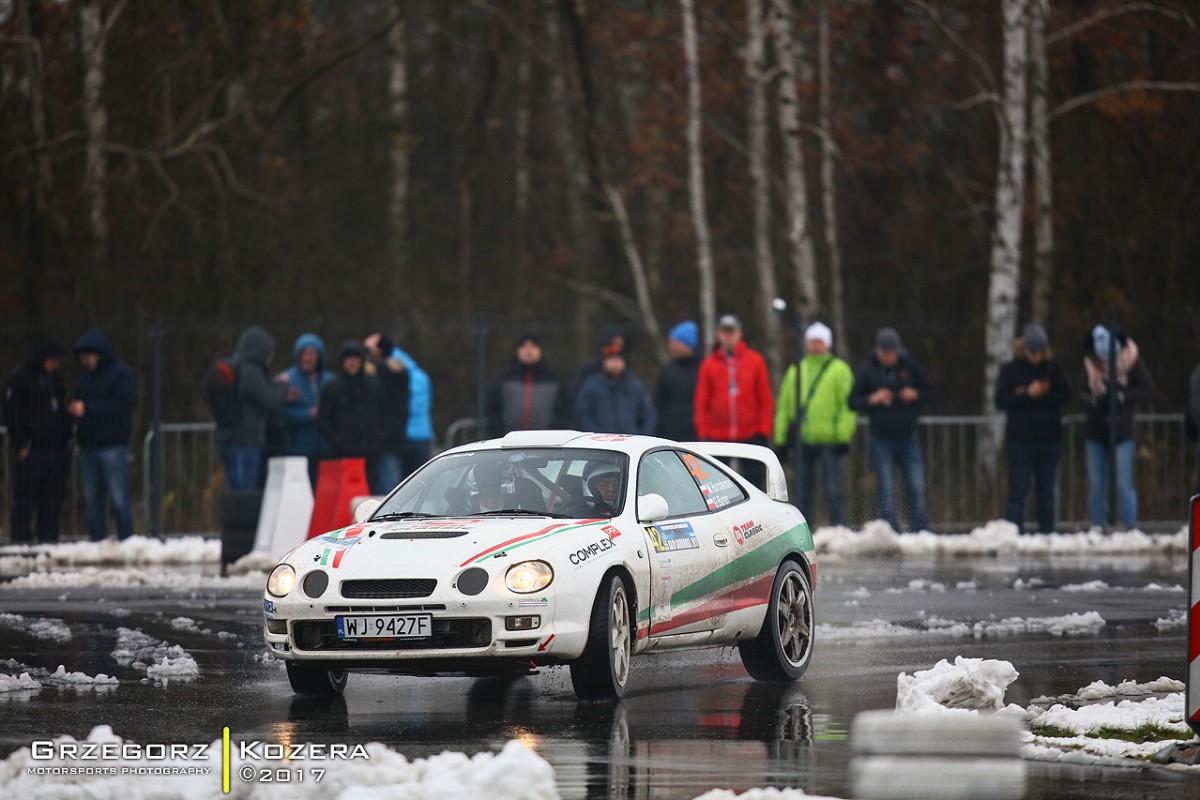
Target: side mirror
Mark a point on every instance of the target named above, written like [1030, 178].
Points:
[366, 507]
[652, 508]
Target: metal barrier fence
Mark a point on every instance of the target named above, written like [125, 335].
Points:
[960, 494]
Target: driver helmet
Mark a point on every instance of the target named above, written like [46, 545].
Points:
[489, 477]
[596, 471]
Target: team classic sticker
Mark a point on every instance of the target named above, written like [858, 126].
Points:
[747, 530]
[670, 537]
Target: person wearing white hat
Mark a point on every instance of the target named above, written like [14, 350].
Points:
[815, 401]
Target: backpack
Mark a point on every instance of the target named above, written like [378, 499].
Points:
[221, 392]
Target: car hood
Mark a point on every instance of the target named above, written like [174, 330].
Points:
[443, 545]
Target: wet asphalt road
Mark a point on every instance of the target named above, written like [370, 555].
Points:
[692, 721]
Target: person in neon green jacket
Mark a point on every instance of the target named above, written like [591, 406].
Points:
[828, 423]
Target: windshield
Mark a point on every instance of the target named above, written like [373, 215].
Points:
[541, 481]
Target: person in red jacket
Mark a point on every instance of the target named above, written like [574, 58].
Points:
[734, 402]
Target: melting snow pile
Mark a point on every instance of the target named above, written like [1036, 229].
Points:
[54, 630]
[1076, 728]
[381, 773]
[1066, 625]
[93, 577]
[161, 660]
[993, 539]
[769, 793]
[134, 551]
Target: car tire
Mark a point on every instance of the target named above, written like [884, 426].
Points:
[315, 682]
[602, 672]
[783, 648]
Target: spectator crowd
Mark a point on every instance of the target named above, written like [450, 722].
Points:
[370, 399]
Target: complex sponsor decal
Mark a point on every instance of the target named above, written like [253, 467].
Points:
[585, 554]
[670, 537]
[747, 530]
[611, 531]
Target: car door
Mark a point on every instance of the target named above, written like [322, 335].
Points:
[688, 549]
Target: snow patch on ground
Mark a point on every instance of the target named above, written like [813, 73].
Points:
[515, 773]
[1101, 586]
[134, 551]
[254, 561]
[972, 685]
[93, 577]
[1175, 620]
[769, 793]
[1067, 625]
[162, 661]
[20, 683]
[48, 628]
[993, 539]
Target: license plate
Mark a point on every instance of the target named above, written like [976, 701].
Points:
[385, 626]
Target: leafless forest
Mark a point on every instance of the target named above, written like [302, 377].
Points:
[950, 167]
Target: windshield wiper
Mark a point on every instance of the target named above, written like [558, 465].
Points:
[519, 512]
[403, 515]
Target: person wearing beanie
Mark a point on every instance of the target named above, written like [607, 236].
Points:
[614, 400]
[611, 336]
[1031, 390]
[891, 388]
[817, 392]
[675, 388]
[353, 413]
[1134, 385]
[528, 396]
[103, 410]
[734, 401]
[39, 435]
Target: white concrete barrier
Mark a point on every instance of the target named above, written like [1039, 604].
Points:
[287, 506]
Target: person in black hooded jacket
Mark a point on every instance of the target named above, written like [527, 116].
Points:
[39, 430]
[103, 410]
[528, 396]
[353, 412]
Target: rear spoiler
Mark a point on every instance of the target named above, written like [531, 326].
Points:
[776, 487]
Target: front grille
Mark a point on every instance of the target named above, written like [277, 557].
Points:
[447, 633]
[388, 588]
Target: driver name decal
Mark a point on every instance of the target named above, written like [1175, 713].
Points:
[670, 537]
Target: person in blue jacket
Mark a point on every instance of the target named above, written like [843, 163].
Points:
[614, 400]
[418, 441]
[103, 412]
[308, 376]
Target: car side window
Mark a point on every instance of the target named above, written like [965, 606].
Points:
[662, 473]
[717, 487]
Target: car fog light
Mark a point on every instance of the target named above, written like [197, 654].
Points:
[278, 626]
[315, 583]
[522, 623]
[282, 580]
[528, 576]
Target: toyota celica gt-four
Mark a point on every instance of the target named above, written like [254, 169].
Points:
[547, 548]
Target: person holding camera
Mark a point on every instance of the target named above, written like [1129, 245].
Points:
[822, 416]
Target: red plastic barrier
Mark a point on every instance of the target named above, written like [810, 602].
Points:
[339, 482]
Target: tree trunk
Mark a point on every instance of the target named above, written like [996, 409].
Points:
[1043, 178]
[93, 34]
[521, 128]
[35, 276]
[799, 230]
[833, 245]
[704, 255]
[1004, 283]
[398, 144]
[638, 269]
[761, 185]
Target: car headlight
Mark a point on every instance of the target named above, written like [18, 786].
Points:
[528, 576]
[282, 580]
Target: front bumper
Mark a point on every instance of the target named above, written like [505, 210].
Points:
[300, 629]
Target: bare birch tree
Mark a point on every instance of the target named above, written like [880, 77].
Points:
[398, 145]
[761, 184]
[638, 270]
[833, 247]
[1043, 177]
[704, 256]
[93, 37]
[1005, 273]
[799, 231]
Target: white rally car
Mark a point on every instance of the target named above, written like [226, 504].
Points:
[553, 547]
